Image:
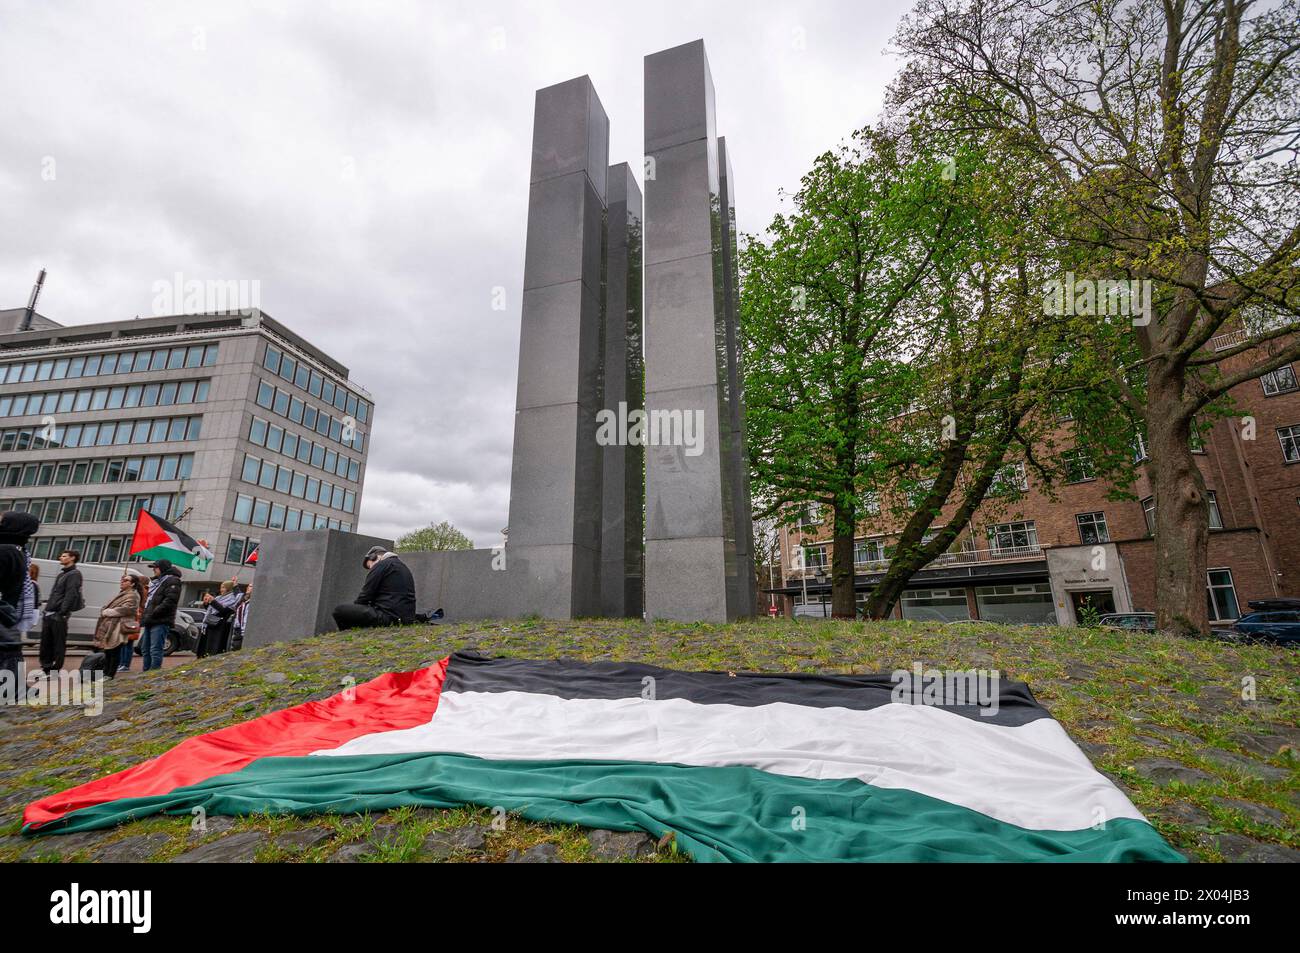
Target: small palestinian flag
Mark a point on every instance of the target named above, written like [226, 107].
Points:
[251, 560]
[155, 538]
[740, 767]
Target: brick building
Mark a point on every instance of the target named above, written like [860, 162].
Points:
[1041, 557]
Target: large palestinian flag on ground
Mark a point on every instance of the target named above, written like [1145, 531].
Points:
[155, 538]
[742, 767]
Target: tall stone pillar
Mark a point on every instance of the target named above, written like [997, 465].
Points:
[737, 463]
[690, 556]
[553, 555]
[622, 508]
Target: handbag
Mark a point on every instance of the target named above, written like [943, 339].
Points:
[131, 629]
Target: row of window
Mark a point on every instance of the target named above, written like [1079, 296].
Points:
[95, 549]
[118, 433]
[314, 383]
[283, 403]
[105, 398]
[118, 362]
[101, 509]
[269, 476]
[169, 466]
[254, 512]
[279, 440]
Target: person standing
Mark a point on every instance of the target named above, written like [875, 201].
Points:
[241, 619]
[387, 598]
[218, 618]
[17, 592]
[34, 571]
[116, 620]
[159, 611]
[65, 599]
[127, 651]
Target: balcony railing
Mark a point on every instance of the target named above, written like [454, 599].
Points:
[967, 557]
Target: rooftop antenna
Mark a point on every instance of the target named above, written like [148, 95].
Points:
[26, 323]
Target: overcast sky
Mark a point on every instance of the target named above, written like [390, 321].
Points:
[367, 163]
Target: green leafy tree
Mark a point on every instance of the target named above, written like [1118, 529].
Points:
[434, 537]
[1171, 131]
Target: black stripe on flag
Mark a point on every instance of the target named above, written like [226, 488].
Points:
[565, 678]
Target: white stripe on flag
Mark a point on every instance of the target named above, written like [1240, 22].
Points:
[1032, 776]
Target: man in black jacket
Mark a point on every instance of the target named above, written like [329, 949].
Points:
[17, 599]
[159, 611]
[387, 598]
[65, 599]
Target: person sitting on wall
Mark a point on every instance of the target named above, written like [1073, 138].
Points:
[387, 598]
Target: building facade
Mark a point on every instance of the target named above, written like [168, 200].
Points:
[228, 425]
[1046, 557]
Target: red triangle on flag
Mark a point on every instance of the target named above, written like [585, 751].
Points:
[252, 557]
[148, 534]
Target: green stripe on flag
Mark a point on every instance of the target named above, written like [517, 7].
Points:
[717, 813]
[180, 558]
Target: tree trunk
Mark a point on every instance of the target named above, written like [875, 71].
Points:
[843, 599]
[1181, 519]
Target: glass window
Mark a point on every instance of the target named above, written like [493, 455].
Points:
[194, 356]
[141, 434]
[1149, 511]
[235, 550]
[282, 479]
[1013, 536]
[935, 605]
[257, 431]
[1290, 440]
[1280, 381]
[252, 469]
[194, 428]
[1092, 528]
[274, 438]
[168, 395]
[170, 465]
[1221, 595]
[287, 368]
[267, 478]
[290, 445]
[243, 509]
[176, 358]
[261, 512]
[150, 398]
[1016, 604]
[296, 408]
[131, 469]
[265, 395]
[1078, 466]
[133, 396]
[292, 520]
[277, 516]
[299, 486]
[271, 361]
[176, 429]
[317, 382]
[281, 402]
[1216, 518]
[210, 355]
[300, 376]
[150, 469]
[187, 465]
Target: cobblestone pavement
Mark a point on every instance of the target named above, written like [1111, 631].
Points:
[1202, 736]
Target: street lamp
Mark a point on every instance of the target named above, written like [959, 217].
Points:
[820, 574]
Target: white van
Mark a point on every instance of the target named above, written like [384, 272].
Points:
[99, 583]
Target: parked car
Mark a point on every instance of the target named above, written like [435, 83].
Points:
[1279, 627]
[1133, 621]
